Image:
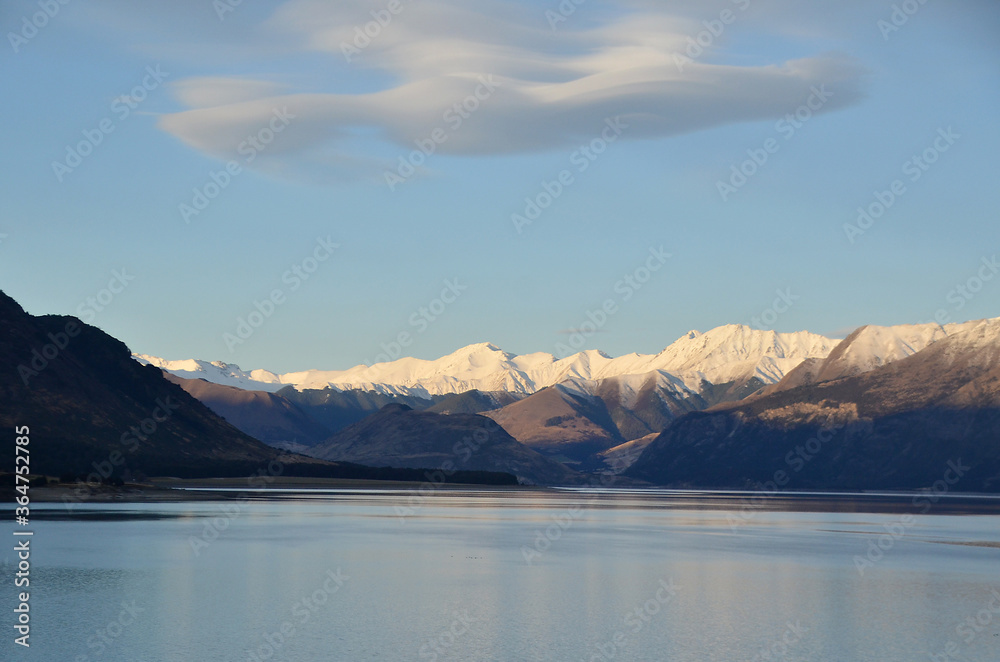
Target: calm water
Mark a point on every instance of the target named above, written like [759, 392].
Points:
[506, 576]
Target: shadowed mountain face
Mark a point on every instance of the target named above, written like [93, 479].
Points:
[474, 402]
[91, 410]
[89, 405]
[398, 436]
[335, 410]
[577, 421]
[295, 420]
[932, 416]
[265, 416]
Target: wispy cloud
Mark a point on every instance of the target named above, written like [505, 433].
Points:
[554, 89]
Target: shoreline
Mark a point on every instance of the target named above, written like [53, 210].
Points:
[176, 490]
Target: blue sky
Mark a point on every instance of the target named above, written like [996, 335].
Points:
[334, 126]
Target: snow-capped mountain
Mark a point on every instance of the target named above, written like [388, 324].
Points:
[872, 346]
[217, 372]
[598, 401]
[900, 403]
[725, 355]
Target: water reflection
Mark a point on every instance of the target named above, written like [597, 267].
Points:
[452, 581]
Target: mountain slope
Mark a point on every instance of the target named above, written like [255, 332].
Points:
[894, 426]
[335, 410]
[621, 457]
[473, 402]
[577, 420]
[867, 348]
[561, 423]
[398, 436]
[265, 416]
[90, 407]
[93, 411]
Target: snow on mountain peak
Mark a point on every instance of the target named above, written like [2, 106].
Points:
[729, 353]
[871, 346]
[725, 354]
[479, 347]
[480, 353]
[981, 337]
[736, 352]
[218, 372]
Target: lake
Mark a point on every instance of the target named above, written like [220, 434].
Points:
[657, 575]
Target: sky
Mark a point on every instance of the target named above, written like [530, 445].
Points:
[305, 184]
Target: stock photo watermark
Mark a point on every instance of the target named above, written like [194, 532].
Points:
[635, 621]
[87, 310]
[544, 537]
[968, 630]
[420, 320]
[964, 292]
[365, 34]
[699, 44]
[30, 25]
[581, 159]
[562, 12]
[223, 7]
[625, 288]
[293, 277]
[796, 460]
[879, 546]
[304, 610]
[231, 510]
[162, 411]
[786, 127]
[780, 647]
[122, 108]
[463, 451]
[768, 317]
[249, 148]
[91, 306]
[453, 117]
[439, 644]
[912, 169]
[105, 637]
[900, 16]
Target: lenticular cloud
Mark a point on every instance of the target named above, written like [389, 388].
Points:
[549, 88]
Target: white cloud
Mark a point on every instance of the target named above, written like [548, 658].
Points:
[218, 91]
[553, 88]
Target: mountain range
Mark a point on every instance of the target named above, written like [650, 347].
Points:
[902, 407]
[90, 411]
[731, 353]
[923, 410]
[577, 409]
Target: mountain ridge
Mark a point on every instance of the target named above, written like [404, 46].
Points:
[894, 426]
[576, 408]
[724, 354]
[399, 436]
